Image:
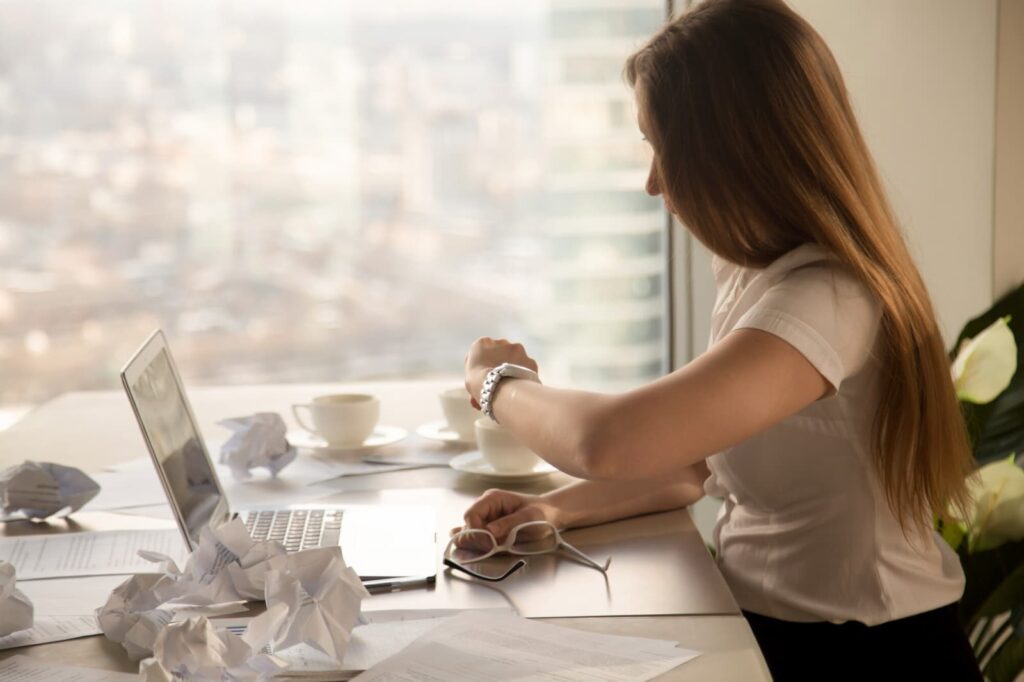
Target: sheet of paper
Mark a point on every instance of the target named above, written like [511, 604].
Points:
[390, 615]
[307, 469]
[317, 468]
[420, 458]
[114, 552]
[263, 491]
[482, 647]
[384, 635]
[153, 511]
[369, 645]
[295, 485]
[51, 629]
[137, 465]
[25, 669]
[123, 489]
[70, 596]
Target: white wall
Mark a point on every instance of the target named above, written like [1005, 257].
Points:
[1008, 236]
[921, 74]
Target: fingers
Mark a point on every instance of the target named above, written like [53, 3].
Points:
[501, 527]
[492, 505]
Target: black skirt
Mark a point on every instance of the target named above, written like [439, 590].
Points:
[926, 646]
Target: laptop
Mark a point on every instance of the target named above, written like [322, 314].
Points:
[379, 542]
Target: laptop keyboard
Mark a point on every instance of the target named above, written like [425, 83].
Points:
[296, 529]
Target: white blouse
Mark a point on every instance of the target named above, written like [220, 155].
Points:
[805, 533]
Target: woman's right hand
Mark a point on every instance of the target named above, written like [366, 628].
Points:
[498, 511]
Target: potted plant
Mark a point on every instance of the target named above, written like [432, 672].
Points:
[990, 543]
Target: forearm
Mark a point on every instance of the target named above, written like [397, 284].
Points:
[555, 423]
[587, 503]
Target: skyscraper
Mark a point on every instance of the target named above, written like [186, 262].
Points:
[603, 315]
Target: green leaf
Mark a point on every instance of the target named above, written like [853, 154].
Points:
[1009, 594]
[997, 428]
[985, 572]
[1008, 661]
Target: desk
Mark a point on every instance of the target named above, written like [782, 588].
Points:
[661, 564]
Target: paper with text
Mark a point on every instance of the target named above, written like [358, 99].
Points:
[52, 629]
[25, 669]
[114, 552]
[480, 647]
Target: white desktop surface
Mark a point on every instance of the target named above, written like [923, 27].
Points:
[659, 562]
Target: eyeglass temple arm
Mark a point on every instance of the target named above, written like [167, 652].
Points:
[583, 557]
[515, 567]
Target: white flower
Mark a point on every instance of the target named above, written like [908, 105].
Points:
[998, 493]
[985, 364]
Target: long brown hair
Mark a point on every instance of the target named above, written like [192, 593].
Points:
[758, 152]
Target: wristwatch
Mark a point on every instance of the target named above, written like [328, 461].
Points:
[505, 369]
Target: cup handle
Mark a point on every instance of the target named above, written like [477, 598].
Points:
[298, 417]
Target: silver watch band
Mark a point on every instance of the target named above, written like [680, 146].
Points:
[492, 380]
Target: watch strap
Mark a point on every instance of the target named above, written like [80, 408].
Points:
[492, 380]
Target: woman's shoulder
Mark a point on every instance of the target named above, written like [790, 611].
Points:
[799, 257]
[811, 299]
[808, 266]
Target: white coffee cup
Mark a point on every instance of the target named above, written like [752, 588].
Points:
[501, 449]
[459, 412]
[345, 419]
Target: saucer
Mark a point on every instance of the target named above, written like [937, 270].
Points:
[381, 436]
[440, 430]
[474, 463]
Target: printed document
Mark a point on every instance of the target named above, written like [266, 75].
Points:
[52, 629]
[69, 596]
[114, 552]
[25, 669]
[481, 647]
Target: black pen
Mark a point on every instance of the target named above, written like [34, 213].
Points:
[393, 584]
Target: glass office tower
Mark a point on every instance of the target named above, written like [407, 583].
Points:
[604, 265]
[323, 191]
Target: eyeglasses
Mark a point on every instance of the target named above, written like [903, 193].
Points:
[533, 537]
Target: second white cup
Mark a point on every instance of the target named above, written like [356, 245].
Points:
[501, 449]
[345, 419]
[459, 413]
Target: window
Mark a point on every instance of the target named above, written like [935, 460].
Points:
[323, 190]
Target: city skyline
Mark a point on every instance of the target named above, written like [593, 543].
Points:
[322, 194]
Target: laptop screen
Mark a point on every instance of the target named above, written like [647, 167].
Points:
[176, 444]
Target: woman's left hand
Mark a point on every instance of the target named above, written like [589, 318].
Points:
[485, 354]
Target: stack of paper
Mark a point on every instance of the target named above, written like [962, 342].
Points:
[64, 609]
[100, 553]
[485, 645]
[52, 629]
[25, 669]
[384, 634]
[482, 647]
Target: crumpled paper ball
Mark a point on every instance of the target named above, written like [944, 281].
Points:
[226, 566]
[312, 598]
[132, 617]
[258, 441]
[224, 570]
[194, 650]
[16, 612]
[36, 490]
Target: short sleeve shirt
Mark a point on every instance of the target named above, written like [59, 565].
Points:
[805, 532]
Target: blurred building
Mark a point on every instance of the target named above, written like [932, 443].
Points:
[603, 321]
[322, 191]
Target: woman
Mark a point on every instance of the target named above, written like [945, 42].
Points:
[823, 411]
